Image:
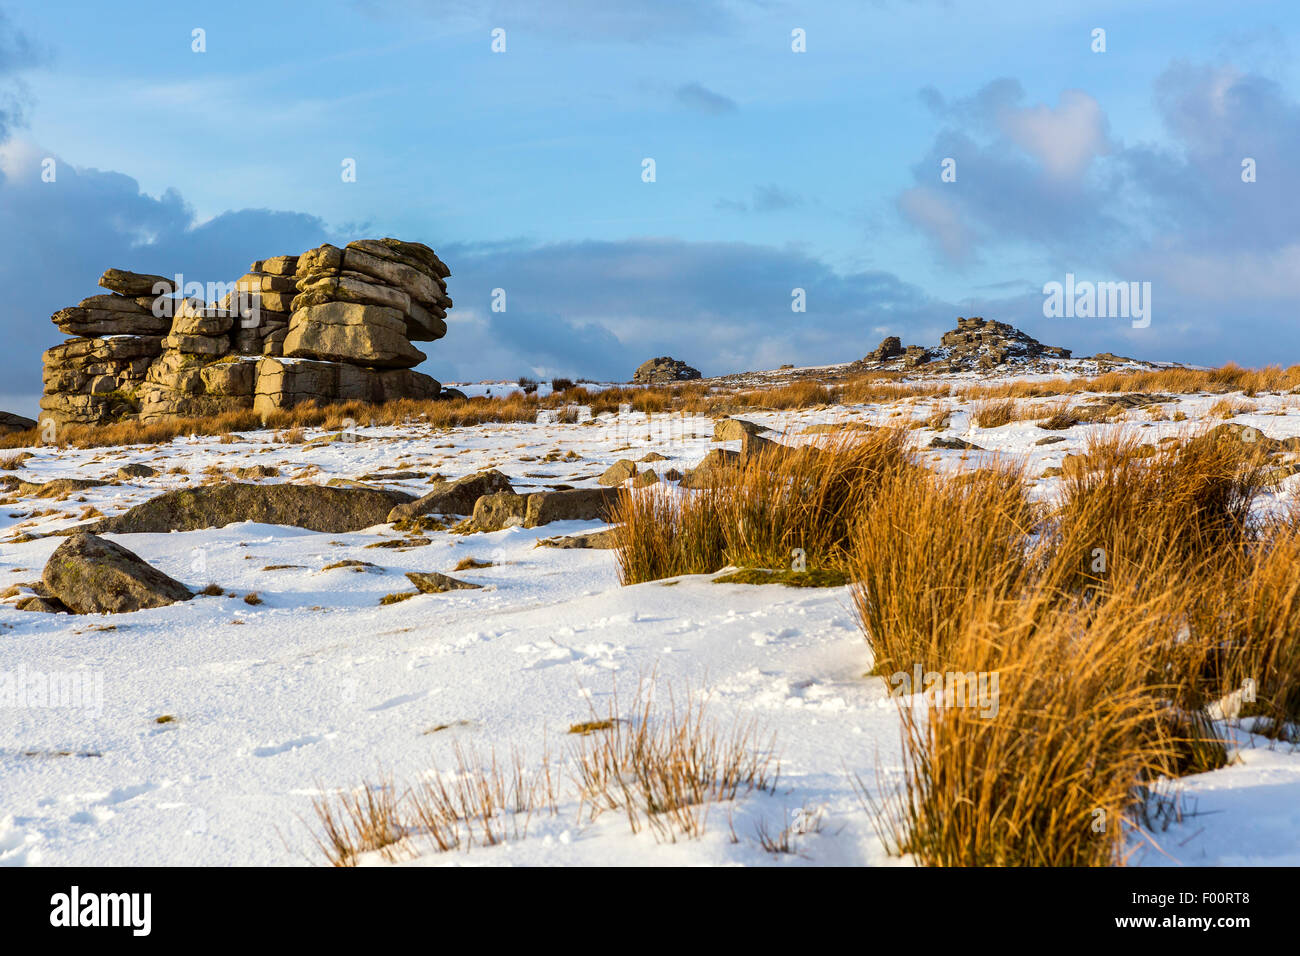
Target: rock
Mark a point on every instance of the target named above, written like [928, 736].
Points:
[663, 370]
[110, 315]
[203, 323]
[136, 470]
[456, 497]
[318, 290]
[712, 470]
[313, 507]
[413, 254]
[285, 383]
[652, 456]
[578, 504]
[599, 540]
[735, 429]
[645, 479]
[136, 283]
[618, 473]
[10, 423]
[211, 346]
[431, 582]
[1050, 440]
[890, 347]
[90, 575]
[493, 512]
[43, 605]
[346, 332]
[452, 394]
[953, 443]
[278, 265]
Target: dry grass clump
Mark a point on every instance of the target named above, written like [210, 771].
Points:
[360, 822]
[482, 802]
[665, 768]
[778, 507]
[1126, 508]
[994, 414]
[1051, 778]
[1229, 407]
[926, 547]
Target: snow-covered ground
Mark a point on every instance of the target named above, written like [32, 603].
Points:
[320, 687]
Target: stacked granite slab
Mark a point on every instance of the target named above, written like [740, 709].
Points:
[356, 313]
[199, 373]
[263, 297]
[96, 376]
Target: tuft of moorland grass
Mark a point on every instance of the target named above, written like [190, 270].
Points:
[359, 822]
[1052, 776]
[925, 546]
[664, 767]
[779, 508]
[1124, 507]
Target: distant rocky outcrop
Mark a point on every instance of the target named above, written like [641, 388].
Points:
[662, 370]
[9, 422]
[328, 325]
[976, 343]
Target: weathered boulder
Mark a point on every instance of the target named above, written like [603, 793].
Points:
[313, 507]
[136, 284]
[712, 469]
[503, 509]
[577, 504]
[110, 315]
[598, 540]
[735, 429]
[618, 473]
[431, 582]
[664, 369]
[456, 497]
[347, 332]
[90, 575]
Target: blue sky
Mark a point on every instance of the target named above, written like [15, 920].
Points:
[774, 169]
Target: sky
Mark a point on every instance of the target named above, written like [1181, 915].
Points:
[775, 168]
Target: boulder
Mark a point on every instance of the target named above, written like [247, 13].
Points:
[735, 429]
[348, 332]
[456, 497]
[90, 575]
[662, 370]
[618, 473]
[599, 540]
[136, 284]
[136, 470]
[431, 582]
[313, 507]
[577, 504]
[712, 470]
[504, 509]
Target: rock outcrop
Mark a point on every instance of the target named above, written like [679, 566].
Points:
[663, 370]
[975, 343]
[9, 423]
[328, 325]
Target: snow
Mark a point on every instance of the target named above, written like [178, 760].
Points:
[320, 687]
